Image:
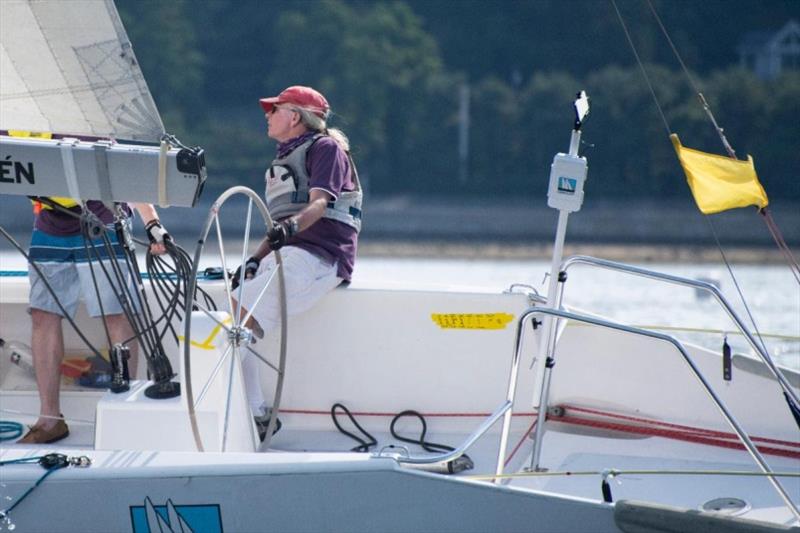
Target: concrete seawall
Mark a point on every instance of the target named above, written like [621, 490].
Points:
[520, 222]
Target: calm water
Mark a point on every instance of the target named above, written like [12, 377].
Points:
[772, 294]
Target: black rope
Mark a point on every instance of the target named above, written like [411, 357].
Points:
[166, 292]
[86, 242]
[426, 445]
[122, 291]
[454, 466]
[169, 288]
[169, 283]
[364, 445]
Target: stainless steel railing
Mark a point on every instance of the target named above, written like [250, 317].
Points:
[729, 418]
[688, 282]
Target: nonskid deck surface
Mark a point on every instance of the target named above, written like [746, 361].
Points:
[573, 461]
[566, 457]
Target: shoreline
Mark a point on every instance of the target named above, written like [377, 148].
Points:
[508, 251]
[632, 253]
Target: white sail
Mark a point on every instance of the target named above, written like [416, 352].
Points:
[67, 67]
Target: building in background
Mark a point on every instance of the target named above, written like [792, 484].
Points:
[770, 53]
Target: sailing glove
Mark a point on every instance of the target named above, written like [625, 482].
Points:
[156, 232]
[250, 269]
[281, 232]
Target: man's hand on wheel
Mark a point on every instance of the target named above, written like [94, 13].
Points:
[280, 233]
[250, 269]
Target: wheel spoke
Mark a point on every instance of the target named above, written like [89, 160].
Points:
[261, 294]
[221, 246]
[228, 398]
[244, 257]
[263, 360]
[210, 315]
[213, 375]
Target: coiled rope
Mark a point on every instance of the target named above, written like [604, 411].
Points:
[10, 430]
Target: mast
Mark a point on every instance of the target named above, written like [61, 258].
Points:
[565, 193]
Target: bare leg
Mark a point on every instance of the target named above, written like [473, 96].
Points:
[120, 330]
[47, 345]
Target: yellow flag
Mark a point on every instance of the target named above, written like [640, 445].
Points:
[719, 183]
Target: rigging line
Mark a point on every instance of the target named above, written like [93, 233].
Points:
[86, 242]
[170, 293]
[674, 49]
[694, 85]
[641, 67]
[122, 290]
[771, 225]
[148, 325]
[169, 287]
[736, 283]
[728, 148]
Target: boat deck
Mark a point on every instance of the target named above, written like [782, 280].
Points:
[655, 469]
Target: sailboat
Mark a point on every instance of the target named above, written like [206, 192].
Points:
[553, 419]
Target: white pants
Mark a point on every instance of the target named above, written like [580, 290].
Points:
[308, 278]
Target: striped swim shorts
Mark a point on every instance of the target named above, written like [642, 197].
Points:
[77, 268]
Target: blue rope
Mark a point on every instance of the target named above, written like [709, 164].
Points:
[13, 273]
[38, 482]
[51, 463]
[23, 460]
[145, 275]
[10, 430]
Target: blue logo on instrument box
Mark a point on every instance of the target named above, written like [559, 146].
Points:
[567, 185]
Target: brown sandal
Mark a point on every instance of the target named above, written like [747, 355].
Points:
[40, 435]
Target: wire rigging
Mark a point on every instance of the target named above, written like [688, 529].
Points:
[773, 228]
[641, 67]
[719, 130]
[117, 265]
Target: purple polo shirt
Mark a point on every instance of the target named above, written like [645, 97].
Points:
[328, 169]
[60, 224]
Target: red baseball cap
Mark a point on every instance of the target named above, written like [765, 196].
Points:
[304, 97]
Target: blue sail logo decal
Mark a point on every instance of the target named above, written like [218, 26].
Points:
[567, 185]
[170, 518]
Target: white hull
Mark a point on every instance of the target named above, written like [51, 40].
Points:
[363, 356]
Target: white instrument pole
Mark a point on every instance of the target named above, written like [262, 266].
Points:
[565, 193]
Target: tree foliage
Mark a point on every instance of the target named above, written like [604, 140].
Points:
[394, 72]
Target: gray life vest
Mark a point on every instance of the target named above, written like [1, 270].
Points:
[287, 191]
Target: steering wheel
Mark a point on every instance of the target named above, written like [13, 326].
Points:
[239, 336]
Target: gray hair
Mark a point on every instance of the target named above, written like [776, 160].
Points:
[314, 122]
